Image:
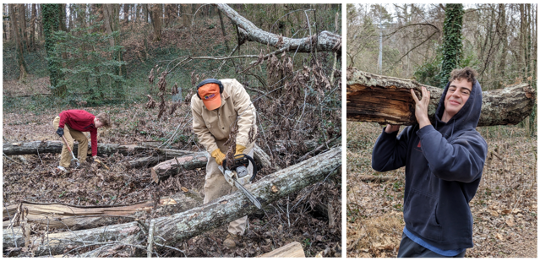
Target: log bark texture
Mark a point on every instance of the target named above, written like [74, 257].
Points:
[33, 147]
[181, 226]
[384, 99]
[325, 41]
[157, 155]
[174, 166]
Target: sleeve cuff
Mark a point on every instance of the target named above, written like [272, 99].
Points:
[423, 131]
[212, 148]
[391, 134]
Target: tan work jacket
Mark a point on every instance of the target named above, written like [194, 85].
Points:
[213, 126]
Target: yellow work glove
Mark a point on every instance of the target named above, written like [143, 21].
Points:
[218, 155]
[239, 149]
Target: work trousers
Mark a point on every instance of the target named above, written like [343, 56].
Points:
[215, 186]
[71, 135]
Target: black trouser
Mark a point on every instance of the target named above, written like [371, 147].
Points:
[409, 248]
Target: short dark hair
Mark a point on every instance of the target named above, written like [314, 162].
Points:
[466, 73]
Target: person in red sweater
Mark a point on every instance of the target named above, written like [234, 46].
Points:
[71, 124]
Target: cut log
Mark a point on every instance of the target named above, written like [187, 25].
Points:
[384, 99]
[172, 167]
[56, 215]
[325, 41]
[293, 249]
[181, 226]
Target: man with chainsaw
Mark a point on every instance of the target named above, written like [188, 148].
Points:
[443, 166]
[217, 106]
[70, 126]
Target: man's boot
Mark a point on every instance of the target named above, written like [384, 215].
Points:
[230, 241]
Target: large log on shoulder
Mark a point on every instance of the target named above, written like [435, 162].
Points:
[181, 226]
[384, 99]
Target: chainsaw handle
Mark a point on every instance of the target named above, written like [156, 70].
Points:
[224, 164]
[254, 167]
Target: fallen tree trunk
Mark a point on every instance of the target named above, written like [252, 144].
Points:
[325, 41]
[259, 155]
[383, 99]
[158, 155]
[174, 166]
[56, 215]
[35, 147]
[198, 160]
[181, 226]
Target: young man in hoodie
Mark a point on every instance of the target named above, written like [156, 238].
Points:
[216, 107]
[443, 165]
[71, 124]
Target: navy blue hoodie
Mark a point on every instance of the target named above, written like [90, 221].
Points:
[443, 169]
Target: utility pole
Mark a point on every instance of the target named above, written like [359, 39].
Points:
[379, 65]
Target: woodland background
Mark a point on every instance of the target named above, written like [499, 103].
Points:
[500, 42]
[130, 60]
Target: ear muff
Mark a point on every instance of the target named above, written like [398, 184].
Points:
[207, 81]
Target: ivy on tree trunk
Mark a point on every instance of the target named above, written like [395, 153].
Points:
[452, 45]
[51, 23]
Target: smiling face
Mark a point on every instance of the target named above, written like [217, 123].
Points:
[457, 95]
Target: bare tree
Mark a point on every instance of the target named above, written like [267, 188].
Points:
[33, 28]
[186, 14]
[5, 24]
[18, 37]
[156, 15]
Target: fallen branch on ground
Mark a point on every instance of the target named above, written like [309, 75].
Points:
[57, 215]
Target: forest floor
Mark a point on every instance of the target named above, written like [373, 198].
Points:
[32, 178]
[504, 208]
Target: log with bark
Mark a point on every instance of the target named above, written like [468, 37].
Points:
[157, 155]
[325, 41]
[35, 147]
[181, 226]
[57, 215]
[384, 99]
[174, 166]
[261, 158]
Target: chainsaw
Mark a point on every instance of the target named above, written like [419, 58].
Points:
[236, 174]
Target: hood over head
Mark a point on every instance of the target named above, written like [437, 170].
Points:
[468, 116]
